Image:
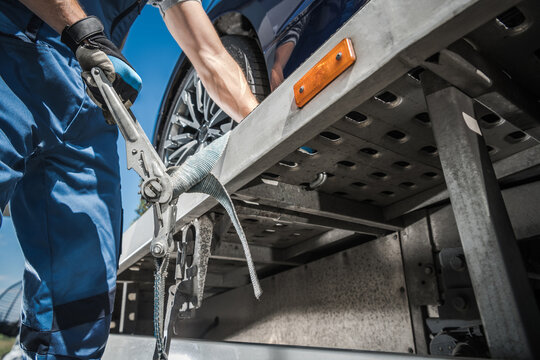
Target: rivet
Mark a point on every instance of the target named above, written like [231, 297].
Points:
[301, 89]
[134, 151]
[339, 55]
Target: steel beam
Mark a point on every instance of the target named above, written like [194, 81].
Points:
[295, 198]
[310, 220]
[141, 348]
[505, 300]
[261, 254]
[390, 37]
[318, 242]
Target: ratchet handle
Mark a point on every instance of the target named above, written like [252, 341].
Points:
[115, 106]
[141, 155]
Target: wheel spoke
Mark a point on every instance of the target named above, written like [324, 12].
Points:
[185, 122]
[187, 150]
[215, 133]
[188, 100]
[212, 107]
[182, 139]
[178, 153]
[199, 93]
[207, 100]
[218, 117]
[169, 145]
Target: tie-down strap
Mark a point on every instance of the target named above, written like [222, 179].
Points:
[195, 176]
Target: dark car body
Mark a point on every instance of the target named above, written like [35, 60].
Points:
[307, 23]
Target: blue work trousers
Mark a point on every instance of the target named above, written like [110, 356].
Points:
[59, 170]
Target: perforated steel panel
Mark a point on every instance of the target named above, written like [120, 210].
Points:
[384, 151]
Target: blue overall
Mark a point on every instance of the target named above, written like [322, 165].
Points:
[59, 168]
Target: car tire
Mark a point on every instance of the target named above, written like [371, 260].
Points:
[183, 135]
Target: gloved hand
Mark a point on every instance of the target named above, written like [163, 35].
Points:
[87, 40]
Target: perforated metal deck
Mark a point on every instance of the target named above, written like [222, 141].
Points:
[383, 151]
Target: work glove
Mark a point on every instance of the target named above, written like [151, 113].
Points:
[87, 40]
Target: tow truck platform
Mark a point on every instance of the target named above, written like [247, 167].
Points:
[395, 213]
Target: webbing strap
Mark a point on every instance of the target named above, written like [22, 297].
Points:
[210, 185]
[194, 175]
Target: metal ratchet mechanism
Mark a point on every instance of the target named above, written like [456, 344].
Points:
[156, 186]
[161, 187]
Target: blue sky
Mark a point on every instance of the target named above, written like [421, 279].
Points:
[153, 53]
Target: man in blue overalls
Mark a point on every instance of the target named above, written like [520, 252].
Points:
[58, 159]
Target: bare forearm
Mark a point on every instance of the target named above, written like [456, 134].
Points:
[227, 86]
[221, 76]
[56, 13]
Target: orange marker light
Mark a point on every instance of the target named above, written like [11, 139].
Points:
[324, 72]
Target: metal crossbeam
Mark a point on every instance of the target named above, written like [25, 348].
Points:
[261, 254]
[139, 347]
[505, 300]
[295, 198]
[311, 220]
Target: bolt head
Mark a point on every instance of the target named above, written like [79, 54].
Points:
[338, 56]
[158, 250]
[301, 89]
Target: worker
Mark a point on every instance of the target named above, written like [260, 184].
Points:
[58, 159]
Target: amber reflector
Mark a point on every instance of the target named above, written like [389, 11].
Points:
[324, 72]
